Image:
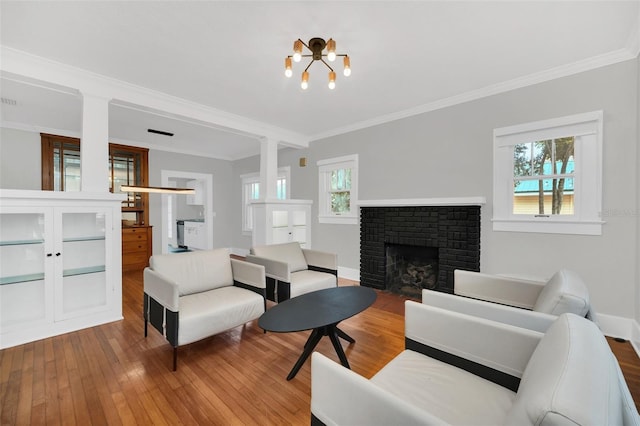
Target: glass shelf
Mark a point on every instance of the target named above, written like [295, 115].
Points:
[21, 278]
[20, 242]
[83, 271]
[76, 239]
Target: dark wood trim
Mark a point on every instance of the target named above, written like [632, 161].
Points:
[325, 270]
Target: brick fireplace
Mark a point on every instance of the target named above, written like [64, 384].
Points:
[404, 249]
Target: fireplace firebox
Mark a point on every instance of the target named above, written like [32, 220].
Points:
[406, 249]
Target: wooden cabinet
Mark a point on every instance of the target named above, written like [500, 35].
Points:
[57, 269]
[136, 247]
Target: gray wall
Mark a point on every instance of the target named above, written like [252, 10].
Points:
[20, 159]
[222, 192]
[448, 153]
[637, 337]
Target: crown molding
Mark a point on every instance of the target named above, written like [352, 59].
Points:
[35, 67]
[39, 129]
[588, 64]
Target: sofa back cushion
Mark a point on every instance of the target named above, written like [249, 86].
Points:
[571, 379]
[290, 253]
[195, 271]
[564, 293]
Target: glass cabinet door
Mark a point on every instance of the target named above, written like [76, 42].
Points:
[23, 267]
[83, 280]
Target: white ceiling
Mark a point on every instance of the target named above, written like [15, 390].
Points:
[228, 56]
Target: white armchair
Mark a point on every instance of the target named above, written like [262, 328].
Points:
[564, 292]
[194, 295]
[461, 369]
[292, 270]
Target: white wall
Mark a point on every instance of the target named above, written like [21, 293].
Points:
[448, 153]
[20, 159]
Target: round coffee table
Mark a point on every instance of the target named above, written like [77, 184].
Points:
[321, 311]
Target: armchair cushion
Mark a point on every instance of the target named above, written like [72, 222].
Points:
[291, 253]
[564, 292]
[307, 281]
[426, 382]
[212, 312]
[206, 270]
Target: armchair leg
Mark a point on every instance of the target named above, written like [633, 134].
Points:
[146, 326]
[175, 358]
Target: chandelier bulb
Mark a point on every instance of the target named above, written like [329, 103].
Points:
[331, 50]
[287, 67]
[347, 66]
[332, 80]
[297, 51]
[305, 80]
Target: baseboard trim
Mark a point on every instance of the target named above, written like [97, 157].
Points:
[349, 273]
[635, 337]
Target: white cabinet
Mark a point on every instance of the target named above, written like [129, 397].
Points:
[60, 265]
[195, 235]
[282, 221]
[196, 199]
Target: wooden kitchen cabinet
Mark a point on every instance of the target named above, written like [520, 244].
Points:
[136, 247]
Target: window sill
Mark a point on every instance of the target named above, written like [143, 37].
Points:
[343, 220]
[548, 226]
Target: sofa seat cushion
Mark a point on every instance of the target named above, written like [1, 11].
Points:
[452, 394]
[564, 293]
[195, 271]
[306, 281]
[290, 253]
[211, 312]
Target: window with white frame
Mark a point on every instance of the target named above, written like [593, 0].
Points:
[338, 190]
[548, 176]
[251, 192]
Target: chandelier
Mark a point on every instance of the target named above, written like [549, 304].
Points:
[316, 46]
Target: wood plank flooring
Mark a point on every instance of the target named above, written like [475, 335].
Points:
[112, 375]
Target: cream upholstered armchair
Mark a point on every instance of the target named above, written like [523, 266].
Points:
[292, 270]
[564, 292]
[525, 303]
[461, 369]
[190, 296]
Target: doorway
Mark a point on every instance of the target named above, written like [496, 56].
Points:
[196, 210]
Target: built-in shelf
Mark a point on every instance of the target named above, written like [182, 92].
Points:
[76, 239]
[20, 242]
[83, 271]
[21, 278]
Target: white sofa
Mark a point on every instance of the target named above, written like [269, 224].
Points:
[464, 370]
[194, 295]
[292, 270]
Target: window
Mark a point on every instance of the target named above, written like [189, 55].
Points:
[60, 163]
[548, 176]
[251, 192]
[128, 165]
[338, 190]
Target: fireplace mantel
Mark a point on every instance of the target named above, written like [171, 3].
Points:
[449, 201]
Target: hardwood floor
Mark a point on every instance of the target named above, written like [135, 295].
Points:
[111, 374]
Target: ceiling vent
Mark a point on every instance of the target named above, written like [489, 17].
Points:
[8, 101]
[159, 132]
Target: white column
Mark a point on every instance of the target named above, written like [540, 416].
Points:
[94, 144]
[268, 168]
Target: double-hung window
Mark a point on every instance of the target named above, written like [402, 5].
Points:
[548, 176]
[338, 190]
[251, 192]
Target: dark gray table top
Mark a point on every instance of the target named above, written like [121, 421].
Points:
[317, 309]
